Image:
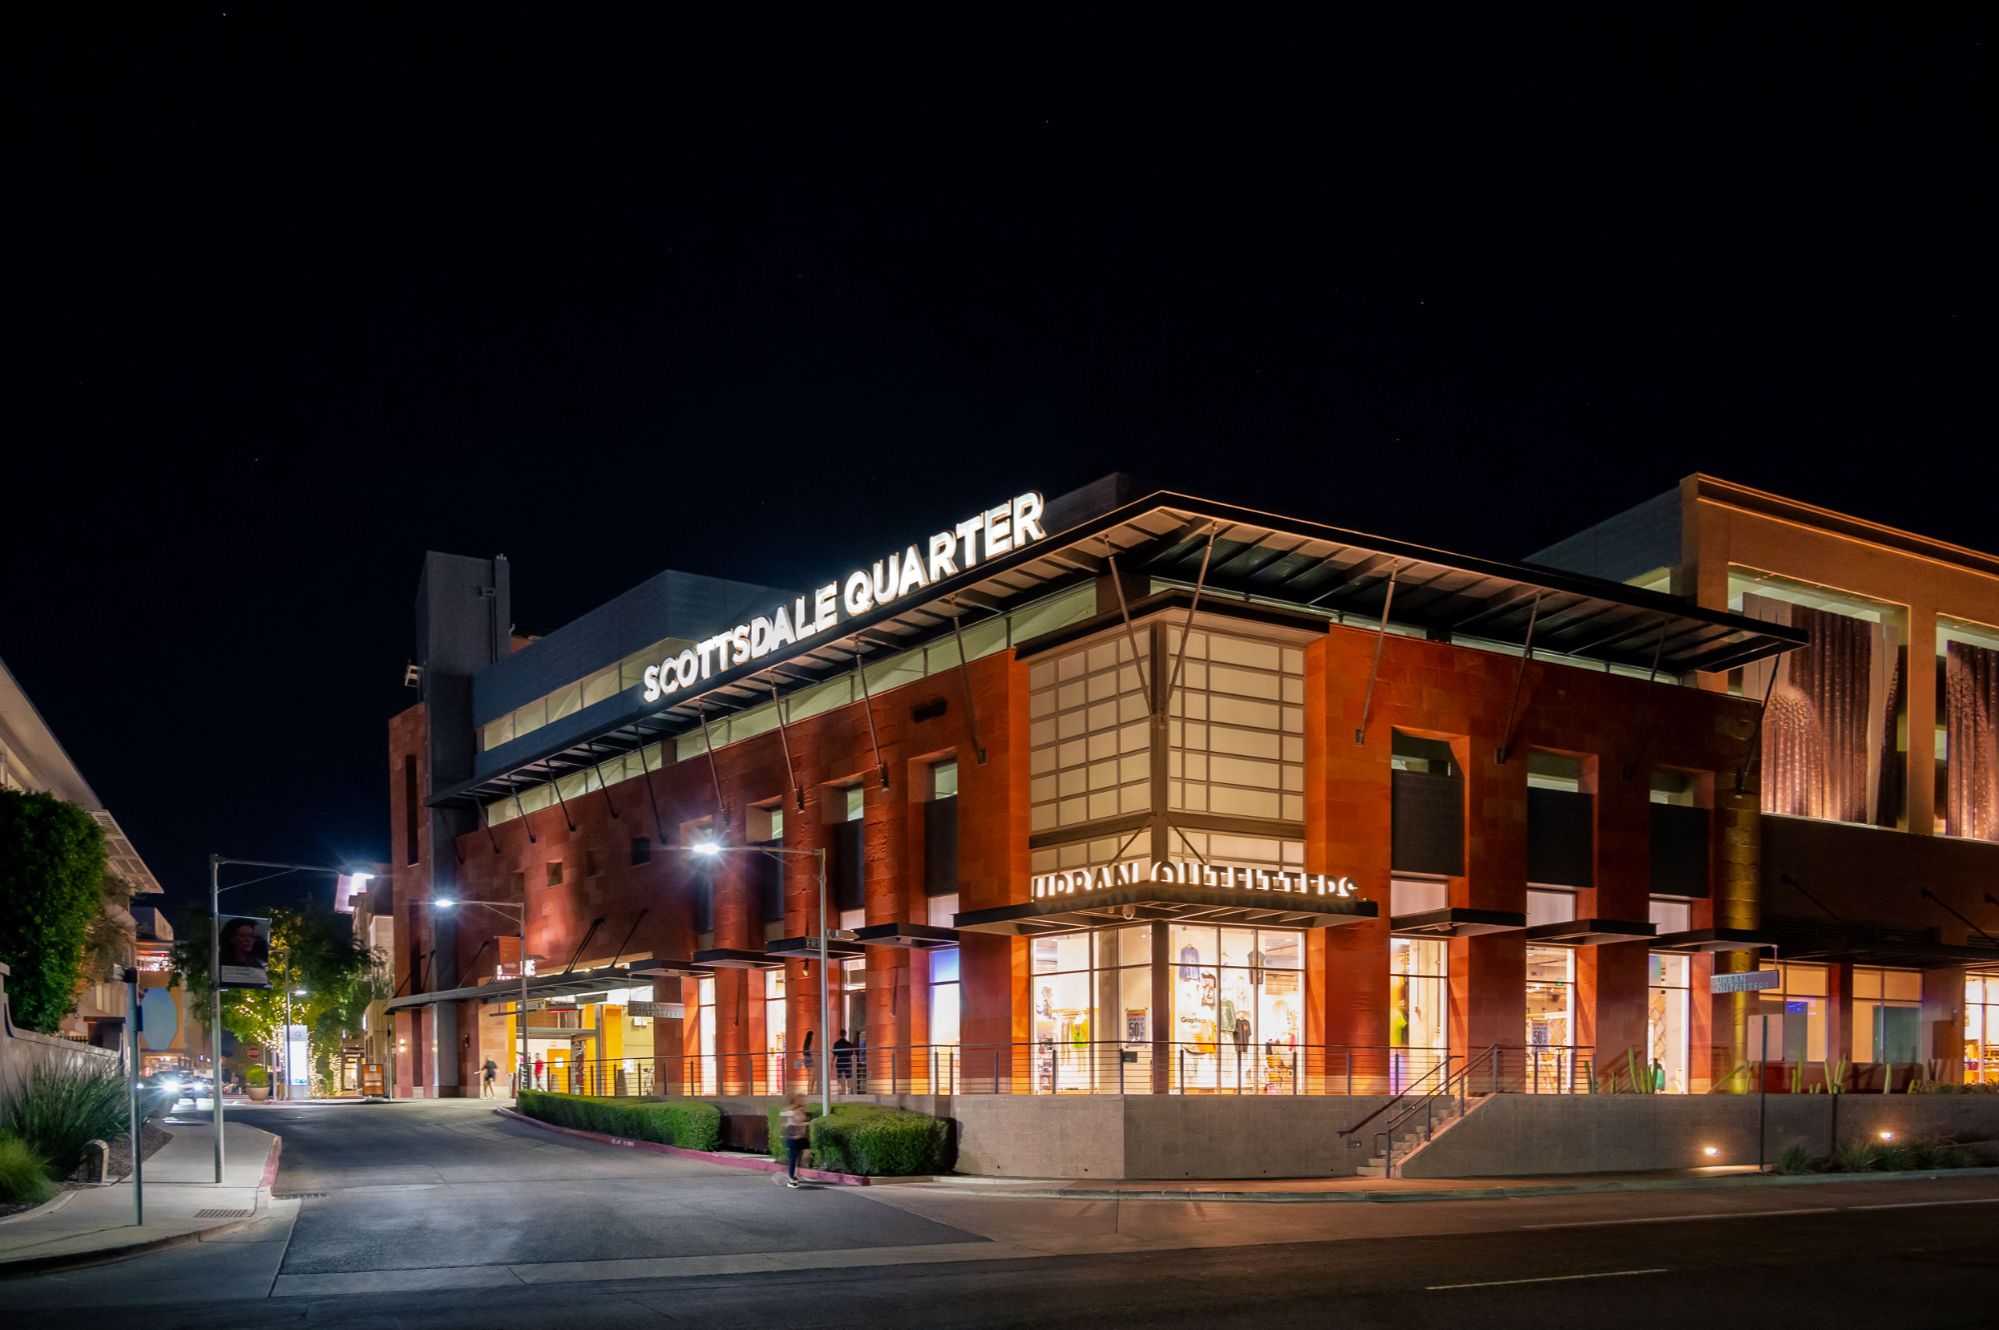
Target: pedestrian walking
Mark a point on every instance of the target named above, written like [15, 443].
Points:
[540, 1065]
[486, 1075]
[805, 1061]
[843, 1064]
[794, 1138]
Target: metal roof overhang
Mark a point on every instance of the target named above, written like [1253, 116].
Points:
[1893, 948]
[1590, 932]
[1456, 922]
[1149, 901]
[913, 937]
[659, 969]
[1312, 567]
[735, 958]
[539, 985]
[807, 949]
[1713, 940]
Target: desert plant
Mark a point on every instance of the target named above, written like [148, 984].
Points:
[1857, 1157]
[257, 1077]
[62, 1109]
[1794, 1159]
[1894, 1157]
[24, 1174]
[1835, 1075]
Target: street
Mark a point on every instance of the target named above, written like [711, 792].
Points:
[441, 1214]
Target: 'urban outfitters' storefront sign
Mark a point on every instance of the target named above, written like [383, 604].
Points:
[1187, 873]
[977, 539]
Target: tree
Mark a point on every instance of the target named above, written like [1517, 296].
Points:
[309, 951]
[110, 941]
[51, 876]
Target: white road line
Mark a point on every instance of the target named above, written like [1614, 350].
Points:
[1914, 1205]
[1681, 1219]
[1544, 1279]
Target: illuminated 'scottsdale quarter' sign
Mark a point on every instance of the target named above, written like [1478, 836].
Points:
[1185, 873]
[974, 541]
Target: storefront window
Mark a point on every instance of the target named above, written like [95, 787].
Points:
[1419, 1015]
[1092, 995]
[1551, 975]
[1887, 1013]
[1802, 989]
[701, 1077]
[943, 1053]
[1238, 1007]
[773, 1069]
[1666, 1015]
[1981, 1029]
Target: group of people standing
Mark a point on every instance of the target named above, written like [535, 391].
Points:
[850, 1062]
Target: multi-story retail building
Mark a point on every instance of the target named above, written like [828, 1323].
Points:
[1878, 767]
[1112, 793]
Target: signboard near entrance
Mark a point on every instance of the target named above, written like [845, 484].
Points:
[1744, 983]
[671, 1011]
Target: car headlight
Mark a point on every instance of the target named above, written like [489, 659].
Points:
[170, 1085]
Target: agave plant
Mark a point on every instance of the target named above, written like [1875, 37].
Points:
[61, 1110]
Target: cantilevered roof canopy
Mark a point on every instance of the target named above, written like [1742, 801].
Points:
[539, 985]
[1456, 922]
[1279, 561]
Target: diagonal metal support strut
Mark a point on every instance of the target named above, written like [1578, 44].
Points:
[645, 770]
[1519, 677]
[1374, 670]
[1186, 625]
[965, 678]
[868, 710]
[554, 783]
[784, 741]
[1131, 633]
[721, 813]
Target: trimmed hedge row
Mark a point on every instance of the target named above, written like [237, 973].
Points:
[691, 1126]
[871, 1140]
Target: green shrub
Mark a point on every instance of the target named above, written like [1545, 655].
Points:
[1895, 1157]
[1794, 1159]
[683, 1123]
[1856, 1157]
[871, 1140]
[61, 1110]
[24, 1175]
[257, 1077]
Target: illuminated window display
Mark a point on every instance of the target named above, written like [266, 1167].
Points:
[701, 1071]
[773, 1068]
[944, 989]
[1551, 987]
[1666, 1024]
[1981, 1029]
[1238, 1007]
[1092, 995]
[1802, 989]
[1887, 1014]
[1419, 989]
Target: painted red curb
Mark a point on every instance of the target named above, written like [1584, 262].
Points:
[750, 1162]
[271, 1163]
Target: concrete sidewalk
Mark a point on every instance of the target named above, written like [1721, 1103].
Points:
[183, 1204]
[1334, 1190]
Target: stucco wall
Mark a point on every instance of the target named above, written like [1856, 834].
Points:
[21, 1051]
[1525, 1135]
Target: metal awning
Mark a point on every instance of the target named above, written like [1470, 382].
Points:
[807, 949]
[1456, 922]
[658, 969]
[1713, 939]
[1894, 948]
[1327, 572]
[914, 937]
[735, 958]
[1145, 902]
[538, 986]
[1590, 932]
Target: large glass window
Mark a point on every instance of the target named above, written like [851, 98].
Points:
[1089, 742]
[942, 1059]
[1551, 1023]
[1887, 1014]
[1802, 989]
[1092, 998]
[1419, 1016]
[701, 1070]
[1666, 1012]
[1967, 739]
[1831, 745]
[1238, 1007]
[1981, 1029]
[774, 1023]
[1238, 727]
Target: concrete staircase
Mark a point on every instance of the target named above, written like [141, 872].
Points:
[1416, 1133]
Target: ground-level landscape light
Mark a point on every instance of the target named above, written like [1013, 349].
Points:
[1710, 1151]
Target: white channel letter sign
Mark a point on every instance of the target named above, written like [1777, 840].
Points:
[1188, 873]
[974, 541]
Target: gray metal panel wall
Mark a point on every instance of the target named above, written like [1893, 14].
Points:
[1619, 548]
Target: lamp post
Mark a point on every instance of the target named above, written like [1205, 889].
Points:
[708, 849]
[215, 890]
[520, 912]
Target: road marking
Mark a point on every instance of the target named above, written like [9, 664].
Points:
[1914, 1205]
[1680, 1219]
[1545, 1279]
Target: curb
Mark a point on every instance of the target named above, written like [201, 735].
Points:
[48, 1207]
[1466, 1193]
[750, 1162]
[41, 1265]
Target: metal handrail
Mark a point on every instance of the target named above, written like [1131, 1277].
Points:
[1443, 1066]
[1429, 1105]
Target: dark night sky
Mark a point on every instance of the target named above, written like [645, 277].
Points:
[293, 293]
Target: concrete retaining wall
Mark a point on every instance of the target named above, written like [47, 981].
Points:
[1512, 1135]
[21, 1051]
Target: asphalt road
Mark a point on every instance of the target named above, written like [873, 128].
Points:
[441, 1215]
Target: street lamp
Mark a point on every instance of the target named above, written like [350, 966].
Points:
[709, 849]
[215, 890]
[520, 912]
